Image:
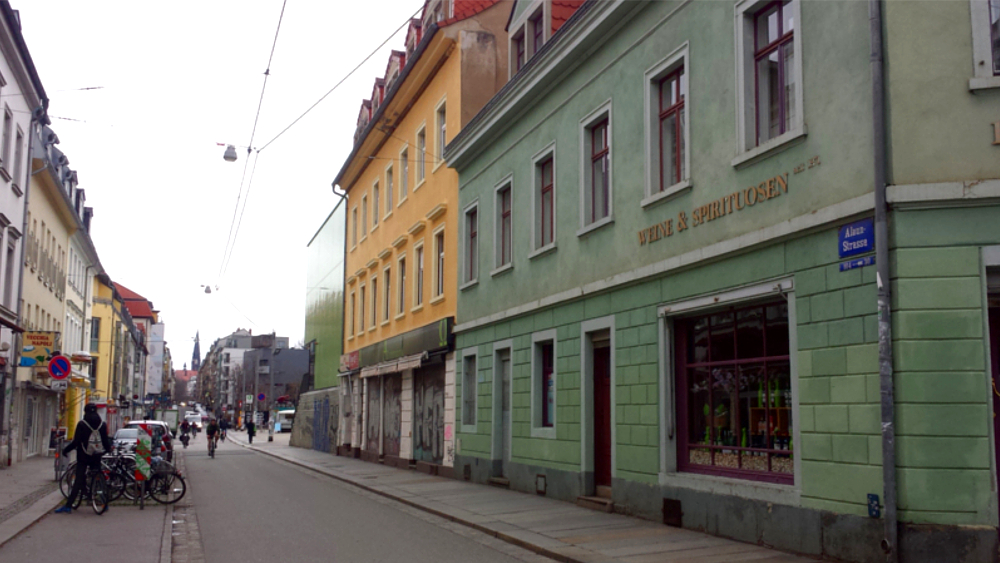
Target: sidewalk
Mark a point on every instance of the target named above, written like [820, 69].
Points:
[28, 492]
[555, 529]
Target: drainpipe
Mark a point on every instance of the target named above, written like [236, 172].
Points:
[885, 368]
[343, 304]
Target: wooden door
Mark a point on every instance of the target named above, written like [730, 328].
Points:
[602, 416]
[995, 370]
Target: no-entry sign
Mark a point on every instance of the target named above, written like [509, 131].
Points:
[59, 367]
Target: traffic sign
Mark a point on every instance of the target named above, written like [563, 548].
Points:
[249, 398]
[59, 385]
[260, 397]
[59, 367]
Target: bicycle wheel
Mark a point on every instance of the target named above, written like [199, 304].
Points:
[67, 480]
[116, 485]
[99, 493]
[167, 488]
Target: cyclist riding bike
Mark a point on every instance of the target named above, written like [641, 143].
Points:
[223, 427]
[212, 431]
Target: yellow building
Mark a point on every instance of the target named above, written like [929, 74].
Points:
[402, 235]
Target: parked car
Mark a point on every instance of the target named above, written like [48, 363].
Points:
[159, 431]
[126, 438]
[285, 419]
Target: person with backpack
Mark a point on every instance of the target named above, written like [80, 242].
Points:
[90, 441]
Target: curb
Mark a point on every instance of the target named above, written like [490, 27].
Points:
[478, 527]
[167, 539]
[27, 517]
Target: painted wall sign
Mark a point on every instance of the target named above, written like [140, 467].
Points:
[38, 347]
[727, 205]
[856, 238]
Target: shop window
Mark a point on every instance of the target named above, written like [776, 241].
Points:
[734, 398]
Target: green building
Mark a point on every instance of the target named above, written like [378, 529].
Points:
[317, 418]
[668, 297]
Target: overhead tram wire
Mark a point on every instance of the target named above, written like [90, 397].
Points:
[227, 254]
[231, 238]
[342, 80]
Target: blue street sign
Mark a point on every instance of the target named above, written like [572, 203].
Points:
[59, 367]
[260, 397]
[857, 263]
[856, 238]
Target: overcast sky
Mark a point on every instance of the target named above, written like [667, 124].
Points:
[176, 78]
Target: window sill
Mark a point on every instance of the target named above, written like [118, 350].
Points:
[385, 323]
[772, 147]
[353, 248]
[387, 215]
[547, 432]
[3, 172]
[402, 200]
[371, 328]
[417, 309]
[469, 429]
[468, 284]
[17, 190]
[984, 83]
[610, 219]
[437, 299]
[350, 337]
[503, 269]
[400, 316]
[437, 165]
[363, 239]
[667, 194]
[542, 251]
[420, 184]
[375, 228]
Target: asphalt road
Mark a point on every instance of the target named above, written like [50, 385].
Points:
[251, 507]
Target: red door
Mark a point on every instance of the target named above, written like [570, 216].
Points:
[602, 416]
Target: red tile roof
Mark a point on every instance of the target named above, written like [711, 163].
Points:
[137, 305]
[562, 10]
[463, 9]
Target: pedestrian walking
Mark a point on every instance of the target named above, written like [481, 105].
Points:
[251, 430]
[90, 440]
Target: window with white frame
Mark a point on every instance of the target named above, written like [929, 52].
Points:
[442, 130]
[421, 155]
[596, 195]
[439, 263]
[543, 382]
[388, 190]
[536, 25]
[667, 130]
[354, 315]
[545, 200]
[401, 286]
[471, 243]
[985, 44]
[418, 276]
[18, 156]
[362, 310]
[518, 50]
[375, 205]
[504, 225]
[769, 71]
[386, 293]
[364, 216]
[11, 262]
[8, 124]
[469, 377]
[404, 174]
[354, 226]
[374, 285]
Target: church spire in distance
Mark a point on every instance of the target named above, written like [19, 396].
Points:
[196, 356]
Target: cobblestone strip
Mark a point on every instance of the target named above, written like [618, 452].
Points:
[185, 535]
[24, 502]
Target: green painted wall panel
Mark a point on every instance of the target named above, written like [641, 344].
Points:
[946, 453]
[944, 489]
[948, 324]
[941, 420]
[932, 355]
[951, 387]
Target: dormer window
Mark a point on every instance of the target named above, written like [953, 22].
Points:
[537, 27]
[518, 51]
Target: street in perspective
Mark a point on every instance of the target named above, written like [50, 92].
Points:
[500, 280]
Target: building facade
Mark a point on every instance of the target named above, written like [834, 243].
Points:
[398, 364]
[23, 104]
[668, 297]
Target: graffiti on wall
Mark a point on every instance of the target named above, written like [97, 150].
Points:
[373, 415]
[428, 416]
[325, 423]
[393, 404]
